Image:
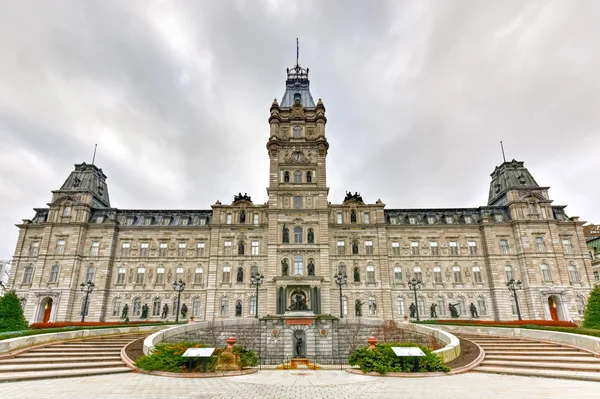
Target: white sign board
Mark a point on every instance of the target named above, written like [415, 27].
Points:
[408, 351]
[198, 352]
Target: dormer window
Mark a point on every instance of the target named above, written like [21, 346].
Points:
[498, 217]
[99, 219]
[67, 211]
[449, 219]
[412, 220]
[468, 220]
[431, 219]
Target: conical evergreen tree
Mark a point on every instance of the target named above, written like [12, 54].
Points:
[591, 319]
[11, 313]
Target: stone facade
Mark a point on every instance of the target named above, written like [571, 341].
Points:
[298, 241]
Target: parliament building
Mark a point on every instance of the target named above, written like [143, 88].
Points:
[298, 240]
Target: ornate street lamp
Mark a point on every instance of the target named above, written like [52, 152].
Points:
[513, 286]
[340, 279]
[87, 288]
[415, 285]
[178, 286]
[256, 279]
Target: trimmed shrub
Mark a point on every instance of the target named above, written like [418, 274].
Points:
[382, 359]
[247, 357]
[11, 313]
[591, 318]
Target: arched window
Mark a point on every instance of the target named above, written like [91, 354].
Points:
[54, 274]
[85, 307]
[309, 177]
[477, 274]
[199, 276]
[137, 307]
[224, 306]
[437, 274]
[297, 177]
[546, 275]
[441, 306]
[418, 273]
[226, 274]
[457, 274]
[286, 177]
[574, 274]
[372, 306]
[342, 269]
[156, 307]
[421, 305]
[397, 274]
[298, 235]
[90, 274]
[462, 309]
[355, 248]
[370, 274]
[240, 275]
[116, 311]
[179, 273]
[481, 306]
[139, 279]
[196, 309]
[508, 271]
[28, 275]
[400, 306]
[580, 302]
[356, 275]
[311, 236]
[252, 309]
[253, 270]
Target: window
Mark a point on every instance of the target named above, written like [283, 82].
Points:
[297, 201]
[226, 274]
[160, 275]
[421, 306]
[481, 307]
[546, 276]
[94, 248]
[400, 306]
[198, 280]
[367, 218]
[412, 220]
[156, 307]
[200, 249]
[372, 306]
[453, 247]
[224, 306]
[148, 221]
[137, 307]
[54, 274]
[370, 274]
[437, 274]
[67, 211]
[397, 274]
[369, 247]
[339, 218]
[298, 235]
[574, 274]
[498, 218]
[504, 248]
[508, 271]
[89, 275]
[129, 221]
[196, 309]
[298, 265]
[394, 220]
[179, 273]
[60, 247]
[472, 248]
[344, 305]
[418, 273]
[125, 247]
[462, 309]
[297, 131]
[33, 248]
[468, 220]
[239, 277]
[414, 247]
[255, 248]
[596, 275]
[441, 306]
[162, 249]
[541, 245]
[28, 275]
[116, 307]
[567, 246]
[341, 249]
[227, 247]
[395, 248]
[139, 279]
[309, 177]
[121, 276]
[434, 248]
[252, 309]
[181, 249]
[477, 274]
[255, 219]
[297, 177]
[253, 270]
[431, 219]
[457, 274]
[580, 302]
[228, 218]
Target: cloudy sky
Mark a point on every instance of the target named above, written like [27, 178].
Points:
[177, 96]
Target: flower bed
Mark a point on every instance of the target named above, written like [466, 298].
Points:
[37, 326]
[547, 323]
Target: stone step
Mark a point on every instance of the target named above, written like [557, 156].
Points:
[503, 341]
[16, 368]
[36, 375]
[528, 348]
[70, 359]
[567, 374]
[567, 359]
[85, 346]
[543, 365]
[69, 353]
[540, 344]
[54, 349]
[573, 353]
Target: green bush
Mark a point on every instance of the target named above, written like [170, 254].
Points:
[247, 357]
[382, 359]
[11, 313]
[591, 319]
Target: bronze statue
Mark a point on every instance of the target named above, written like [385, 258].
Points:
[238, 309]
[241, 248]
[240, 275]
[242, 217]
[284, 267]
[286, 234]
[298, 302]
[125, 311]
[356, 275]
[299, 347]
[413, 310]
[183, 311]
[473, 310]
[358, 307]
[144, 311]
[432, 310]
[352, 217]
[165, 311]
[311, 268]
[311, 236]
[453, 311]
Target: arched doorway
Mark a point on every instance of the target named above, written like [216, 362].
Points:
[45, 310]
[555, 307]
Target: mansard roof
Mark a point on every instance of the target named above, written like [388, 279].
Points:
[509, 175]
[88, 178]
[297, 87]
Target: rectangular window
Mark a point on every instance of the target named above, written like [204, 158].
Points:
[298, 265]
[60, 247]
[477, 274]
[541, 245]
[434, 248]
[181, 249]
[412, 220]
[339, 219]
[369, 247]
[255, 218]
[67, 211]
[504, 248]
[228, 218]
[395, 248]
[414, 248]
[125, 247]
[372, 307]
[468, 220]
[162, 249]
[94, 248]
[198, 280]
[472, 248]
[140, 275]
[394, 220]
[298, 235]
[160, 276]
[437, 274]
[297, 202]
[144, 249]
[453, 248]
[367, 217]
[255, 248]
[596, 275]
[121, 276]
[341, 248]
[200, 249]
[567, 246]
[344, 306]
[33, 248]
[227, 248]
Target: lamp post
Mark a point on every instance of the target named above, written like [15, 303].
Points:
[178, 286]
[87, 288]
[256, 279]
[340, 279]
[513, 286]
[415, 285]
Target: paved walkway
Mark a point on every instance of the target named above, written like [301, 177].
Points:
[302, 384]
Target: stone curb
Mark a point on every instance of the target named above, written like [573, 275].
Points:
[473, 364]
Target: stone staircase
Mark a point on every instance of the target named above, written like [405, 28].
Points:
[91, 356]
[535, 358]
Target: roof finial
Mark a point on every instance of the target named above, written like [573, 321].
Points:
[94, 157]
[297, 52]
[502, 146]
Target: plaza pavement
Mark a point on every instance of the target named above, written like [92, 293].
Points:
[302, 384]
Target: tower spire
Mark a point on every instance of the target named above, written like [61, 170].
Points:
[502, 146]
[297, 53]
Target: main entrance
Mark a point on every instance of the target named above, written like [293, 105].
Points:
[555, 307]
[45, 310]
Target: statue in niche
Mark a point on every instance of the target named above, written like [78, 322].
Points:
[453, 310]
[432, 310]
[353, 217]
[356, 275]
[311, 268]
[125, 311]
[165, 311]
[240, 275]
[241, 248]
[311, 236]
[284, 267]
[243, 217]
[473, 310]
[286, 177]
[358, 307]
[299, 345]
[298, 302]
[355, 248]
[413, 310]
[238, 309]
[286, 234]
